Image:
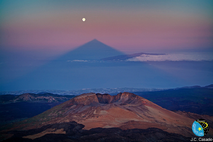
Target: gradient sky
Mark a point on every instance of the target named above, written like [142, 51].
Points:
[127, 25]
[33, 32]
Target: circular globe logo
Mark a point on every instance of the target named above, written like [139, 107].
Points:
[200, 127]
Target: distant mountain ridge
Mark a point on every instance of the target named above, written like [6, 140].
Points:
[209, 86]
[128, 56]
[18, 107]
[31, 97]
[97, 90]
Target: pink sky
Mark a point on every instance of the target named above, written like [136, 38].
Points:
[132, 30]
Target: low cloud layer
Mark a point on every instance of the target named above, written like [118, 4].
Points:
[77, 60]
[175, 57]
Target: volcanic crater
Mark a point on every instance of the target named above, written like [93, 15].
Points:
[124, 111]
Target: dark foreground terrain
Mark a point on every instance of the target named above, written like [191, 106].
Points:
[18, 107]
[73, 132]
[189, 99]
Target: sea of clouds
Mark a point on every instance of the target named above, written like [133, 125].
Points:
[187, 56]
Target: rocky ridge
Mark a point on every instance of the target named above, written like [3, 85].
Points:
[124, 111]
[31, 97]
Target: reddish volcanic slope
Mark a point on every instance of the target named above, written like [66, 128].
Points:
[124, 110]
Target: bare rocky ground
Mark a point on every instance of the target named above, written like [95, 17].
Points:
[102, 117]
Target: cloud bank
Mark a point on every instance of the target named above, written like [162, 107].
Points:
[175, 57]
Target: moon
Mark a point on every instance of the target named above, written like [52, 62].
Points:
[83, 19]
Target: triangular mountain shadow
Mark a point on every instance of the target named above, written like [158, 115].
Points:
[73, 71]
[93, 50]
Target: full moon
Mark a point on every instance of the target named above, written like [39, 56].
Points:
[83, 19]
